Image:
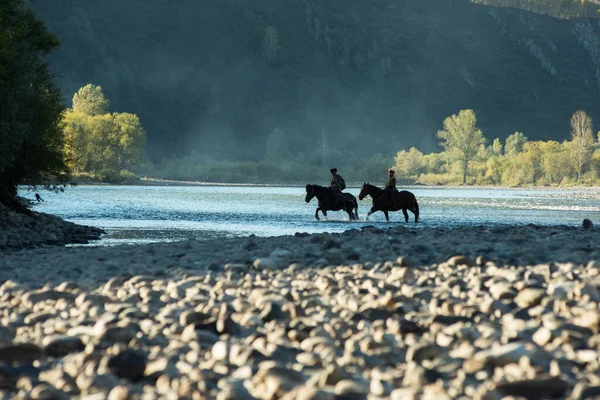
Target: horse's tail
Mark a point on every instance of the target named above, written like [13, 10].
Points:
[416, 211]
[356, 208]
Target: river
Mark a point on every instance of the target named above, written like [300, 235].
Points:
[145, 214]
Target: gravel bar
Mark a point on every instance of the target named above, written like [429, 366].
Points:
[396, 313]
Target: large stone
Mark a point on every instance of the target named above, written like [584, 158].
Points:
[116, 333]
[348, 387]
[58, 346]
[503, 355]
[128, 364]
[19, 352]
[534, 388]
[530, 297]
[36, 296]
[460, 260]
[421, 352]
[266, 263]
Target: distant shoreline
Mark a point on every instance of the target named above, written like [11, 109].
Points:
[353, 185]
[589, 192]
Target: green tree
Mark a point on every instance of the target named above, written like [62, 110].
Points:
[30, 111]
[497, 147]
[461, 138]
[555, 161]
[90, 100]
[409, 164]
[103, 144]
[493, 170]
[530, 162]
[129, 140]
[514, 144]
[76, 140]
[270, 44]
[582, 137]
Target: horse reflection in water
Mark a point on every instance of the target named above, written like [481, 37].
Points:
[403, 200]
[330, 201]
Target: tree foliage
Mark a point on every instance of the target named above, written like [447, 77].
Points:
[514, 144]
[101, 144]
[461, 138]
[582, 137]
[90, 100]
[30, 110]
[409, 164]
[521, 162]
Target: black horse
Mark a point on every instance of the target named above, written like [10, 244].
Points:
[403, 200]
[329, 201]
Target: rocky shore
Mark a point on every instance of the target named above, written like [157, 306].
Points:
[398, 313]
[18, 230]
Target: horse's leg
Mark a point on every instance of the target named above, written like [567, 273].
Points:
[350, 214]
[387, 216]
[371, 211]
[317, 214]
[405, 215]
[325, 214]
[348, 206]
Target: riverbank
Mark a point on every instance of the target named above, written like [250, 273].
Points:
[472, 312]
[19, 230]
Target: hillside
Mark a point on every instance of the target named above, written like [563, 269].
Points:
[361, 75]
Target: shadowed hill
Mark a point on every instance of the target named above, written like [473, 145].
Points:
[367, 76]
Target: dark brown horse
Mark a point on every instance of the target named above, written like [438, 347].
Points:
[329, 201]
[403, 200]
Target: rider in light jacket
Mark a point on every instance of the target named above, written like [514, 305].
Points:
[390, 186]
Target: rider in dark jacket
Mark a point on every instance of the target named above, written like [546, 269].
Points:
[337, 183]
[390, 187]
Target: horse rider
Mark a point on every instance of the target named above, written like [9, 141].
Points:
[390, 187]
[337, 184]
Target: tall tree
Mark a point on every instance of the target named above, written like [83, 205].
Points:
[497, 147]
[514, 144]
[531, 163]
[582, 137]
[461, 138]
[98, 142]
[30, 110]
[90, 100]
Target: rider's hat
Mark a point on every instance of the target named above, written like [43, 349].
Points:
[391, 171]
[333, 170]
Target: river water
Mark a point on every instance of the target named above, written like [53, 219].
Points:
[144, 214]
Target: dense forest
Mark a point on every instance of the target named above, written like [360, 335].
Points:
[555, 8]
[312, 81]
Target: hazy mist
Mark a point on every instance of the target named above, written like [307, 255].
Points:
[367, 77]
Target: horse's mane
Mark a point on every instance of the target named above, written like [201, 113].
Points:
[367, 184]
[316, 186]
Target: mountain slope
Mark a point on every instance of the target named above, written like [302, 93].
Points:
[364, 75]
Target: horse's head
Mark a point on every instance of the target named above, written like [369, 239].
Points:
[363, 191]
[310, 193]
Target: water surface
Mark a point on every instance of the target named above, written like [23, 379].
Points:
[144, 214]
